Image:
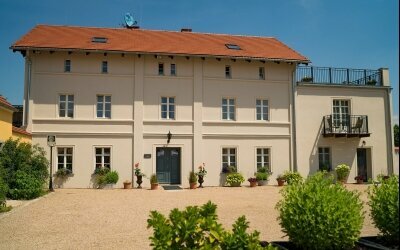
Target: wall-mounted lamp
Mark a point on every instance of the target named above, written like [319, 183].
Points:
[363, 143]
[169, 135]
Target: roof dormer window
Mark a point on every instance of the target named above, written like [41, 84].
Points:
[233, 46]
[97, 39]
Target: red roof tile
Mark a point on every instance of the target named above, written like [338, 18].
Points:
[151, 41]
[4, 103]
[20, 131]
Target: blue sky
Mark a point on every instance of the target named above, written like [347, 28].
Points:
[340, 33]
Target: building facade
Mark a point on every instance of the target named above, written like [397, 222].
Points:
[172, 101]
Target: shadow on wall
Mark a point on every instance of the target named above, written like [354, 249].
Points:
[222, 179]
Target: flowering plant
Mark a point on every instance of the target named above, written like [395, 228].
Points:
[138, 171]
[202, 170]
[342, 171]
[359, 178]
[252, 179]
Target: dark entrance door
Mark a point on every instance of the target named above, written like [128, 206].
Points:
[168, 165]
[362, 163]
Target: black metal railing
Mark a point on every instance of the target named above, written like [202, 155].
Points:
[345, 125]
[327, 75]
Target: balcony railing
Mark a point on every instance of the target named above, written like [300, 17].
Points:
[345, 126]
[342, 76]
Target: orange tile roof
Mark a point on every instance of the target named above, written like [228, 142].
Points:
[4, 103]
[151, 41]
[20, 131]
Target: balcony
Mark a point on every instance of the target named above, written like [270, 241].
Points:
[345, 126]
[338, 76]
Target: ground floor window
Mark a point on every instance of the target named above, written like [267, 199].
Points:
[263, 158]
[228, 157]
[324, 158]
[64, 158]
[103, 157]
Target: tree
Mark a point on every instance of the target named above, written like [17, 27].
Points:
[396, 135]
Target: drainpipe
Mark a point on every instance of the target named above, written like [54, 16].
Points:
[293, 121]
[28, 90]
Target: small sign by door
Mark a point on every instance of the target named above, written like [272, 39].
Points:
[147, 156]
[51, 140]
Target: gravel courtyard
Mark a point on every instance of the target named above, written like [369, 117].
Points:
[116, 219]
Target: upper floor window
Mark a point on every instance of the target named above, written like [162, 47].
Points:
[324, 159]
[160, 69]
[66, 106]
[262, 110]
[103, 157]
[228, 71]
[263, 158]
[168, 107]
[64, 158]
[103, 106]
[67, 66]
[173, 69]
[104, 67]
[228, 109]
[261, 73]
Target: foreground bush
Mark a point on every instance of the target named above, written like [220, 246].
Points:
[317, 214]
[3, 192]
[198, 228]
[20, 160]
[384, 202]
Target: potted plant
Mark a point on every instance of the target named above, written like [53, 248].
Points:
[139, 175]
[342, 172]
[292, 177]
[281, 180]
[99, 176]
[192, 180]
[127, 184]
[229, 169]
[110, 179]
[307, 79]
[371, 82]
[359, 179]
[262, 176]
[63, 173]
[253, 181]
[235, 179]
[154, 182]
[201, 173]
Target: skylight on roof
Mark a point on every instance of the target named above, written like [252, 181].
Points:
[232, 46]
[97, 39]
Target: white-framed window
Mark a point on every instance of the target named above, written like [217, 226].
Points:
[104, 67]
[324, 158]
[161, 69]
[261, 73]
[64, 158]
[229, 157]
[103, 106]
[263, 156]
[228, 109]
[341, 115]
[66, 105]
[228, 73]
[67, 66]
[103, 157]
[168, 107]
[262, 110]
[173, 69]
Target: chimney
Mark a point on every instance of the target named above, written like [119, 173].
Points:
[186, 30]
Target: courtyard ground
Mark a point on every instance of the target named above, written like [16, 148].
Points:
[116, 219]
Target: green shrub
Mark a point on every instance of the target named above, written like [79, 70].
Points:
[262, 176]
[234, 179]
[384, 202]
[192, 177]
[3, 193]
[26, 186]
[318, 214]
[292, 177]
[153, 179]
[342, 171]
[198, 228]
[17, 158]
[111, 177]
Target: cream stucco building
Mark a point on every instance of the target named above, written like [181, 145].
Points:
[111, 96]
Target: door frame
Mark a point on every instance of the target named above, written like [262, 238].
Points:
[154, 162]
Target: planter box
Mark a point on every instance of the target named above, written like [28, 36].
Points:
[372, 242]
[127, 185]
[263, 183]
[237, 184]
[108, 186]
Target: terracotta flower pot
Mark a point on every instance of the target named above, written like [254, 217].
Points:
[253, 184]
[154, 186]
[127, 185]
[193, 185]
[281, 182]
[361, 181]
